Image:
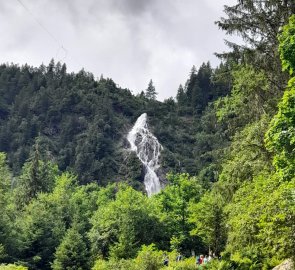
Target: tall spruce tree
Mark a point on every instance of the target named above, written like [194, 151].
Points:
[181, 97]
[150, 92]
[258, 23]
[191, 83]
[37, 176]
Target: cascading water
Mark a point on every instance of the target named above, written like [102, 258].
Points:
[147, 149]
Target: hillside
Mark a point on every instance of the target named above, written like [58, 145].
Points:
[72, 195]
[81, 123]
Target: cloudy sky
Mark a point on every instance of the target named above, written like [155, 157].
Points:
[130, 41]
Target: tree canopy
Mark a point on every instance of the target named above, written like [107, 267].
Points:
[72, 195]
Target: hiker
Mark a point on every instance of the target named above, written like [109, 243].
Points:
[197, 260]
[179, 257]
[201, 259]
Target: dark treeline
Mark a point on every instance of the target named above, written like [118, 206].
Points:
[72, 197]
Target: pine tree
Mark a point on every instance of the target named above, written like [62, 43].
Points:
[37, 176]
[258, 22]
[181, 96]
[150, 92]
[191, 83]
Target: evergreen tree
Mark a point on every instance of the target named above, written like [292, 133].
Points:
[181, 96]
[258, 23]
[222, 79]
[37, 176]
[190, 84]
[204, 77]
[150, 92]
[5, 204]
[72, 253]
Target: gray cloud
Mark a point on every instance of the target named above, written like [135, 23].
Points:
[131, 41]
[133, 7]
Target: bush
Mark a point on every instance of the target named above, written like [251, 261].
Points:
[149, 258]
[12, 267]
[220, 265]
[112, 264]
[185, 264]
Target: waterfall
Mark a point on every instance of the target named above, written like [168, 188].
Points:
[147, 149]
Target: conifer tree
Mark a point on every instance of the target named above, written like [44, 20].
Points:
[258, 23]
[191, 83]
[72, 253]
[37, 176]
[150, 92]
[181, 96]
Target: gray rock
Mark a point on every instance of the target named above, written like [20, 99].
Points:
[286, 265]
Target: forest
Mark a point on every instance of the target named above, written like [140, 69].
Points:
[72, 195]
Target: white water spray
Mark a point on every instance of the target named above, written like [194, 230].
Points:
[147, 149]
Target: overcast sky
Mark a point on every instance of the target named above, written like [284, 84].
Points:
[130, 41]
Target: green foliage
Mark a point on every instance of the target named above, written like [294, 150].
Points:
[43, 226]
[259, 227]
[122, 225]
[258, 23]
[220, 265]
[37, 177]
[174, 201]
[208, 219]
[5, 175]
[81, 122]
[132, 171]
[12, 267]
[287, 46]
[181, 97]
[2, 252]
[246, 158]
[72, 253]
[184, 264]
[5, 186]
[281, 134]
[150, 92]
[78, 120]
[7, 239]
[199, 90]
[149, 258]
[40, 230]
[234, 204]
[247, 100]
[259, 204]
[211, 141]
[115, 264]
